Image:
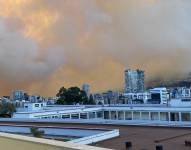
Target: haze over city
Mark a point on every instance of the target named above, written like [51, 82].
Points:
[46, 44]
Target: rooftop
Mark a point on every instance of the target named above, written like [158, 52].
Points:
[141, 137]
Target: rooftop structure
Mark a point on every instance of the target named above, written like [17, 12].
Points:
[159, 96]
[157, 114]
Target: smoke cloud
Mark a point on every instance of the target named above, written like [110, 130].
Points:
[46, 44]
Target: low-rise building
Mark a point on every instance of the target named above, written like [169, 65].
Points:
[137, 98]
[159, 96]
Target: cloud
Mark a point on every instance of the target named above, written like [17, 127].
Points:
[20, 59]
[46, 44]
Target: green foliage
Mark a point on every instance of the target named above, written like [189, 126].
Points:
[72, 95]
[36, 132]
[7, 109]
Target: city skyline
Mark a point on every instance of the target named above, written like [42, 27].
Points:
[95, 74]
[48, 44]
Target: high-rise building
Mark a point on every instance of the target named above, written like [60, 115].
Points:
[134, 81]
[18, 95]
[86, 88]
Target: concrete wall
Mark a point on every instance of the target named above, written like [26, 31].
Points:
[97, 137]
[17, 142]
[12, 144]
[53, 131]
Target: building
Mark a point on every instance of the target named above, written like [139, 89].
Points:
[99, 99]
[159, 96]
[111, 97]
[180, 92]
[18, 95]
[134, 81]
[33, 106]
[86, 88]
[36, 99]
[137, 98]
[129, 114]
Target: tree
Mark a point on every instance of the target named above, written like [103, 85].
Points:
[7, 109]
[72, 95]
[36, 132]
[61, 92]
[11, 108]
[90, 100]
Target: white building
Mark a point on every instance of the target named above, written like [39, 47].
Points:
[29, 107]
[114, 114]
[159, 95]
[134, 98]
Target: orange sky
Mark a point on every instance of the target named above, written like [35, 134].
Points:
[47, 44]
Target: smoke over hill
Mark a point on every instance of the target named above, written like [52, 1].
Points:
[45, 44]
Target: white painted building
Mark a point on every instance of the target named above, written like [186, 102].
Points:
[159, 95]
[114, 114]
[61, 113]
[133, 97]
[33, 106]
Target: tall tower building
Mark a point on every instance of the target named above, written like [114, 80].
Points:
[134, 81]
[17, 95]
[86, 88]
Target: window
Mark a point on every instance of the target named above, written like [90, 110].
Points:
[36, 105]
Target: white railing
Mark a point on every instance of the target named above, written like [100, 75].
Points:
[10, 142]
[96, 138]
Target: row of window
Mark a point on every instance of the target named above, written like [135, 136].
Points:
[73, 116]
[136, 115]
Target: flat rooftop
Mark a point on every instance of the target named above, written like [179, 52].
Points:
[105, 108]
[141, 137]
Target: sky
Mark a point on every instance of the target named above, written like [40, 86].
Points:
[46, 44]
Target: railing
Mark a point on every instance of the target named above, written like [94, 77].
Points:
[96, 138]
[18, 142]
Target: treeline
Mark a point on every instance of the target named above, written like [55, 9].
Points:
[72, 96]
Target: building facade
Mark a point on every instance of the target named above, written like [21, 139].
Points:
[134, 81]
[18, 95]
[159, 96]
[86, 88]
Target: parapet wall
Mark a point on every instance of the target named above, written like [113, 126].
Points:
[17, 142]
